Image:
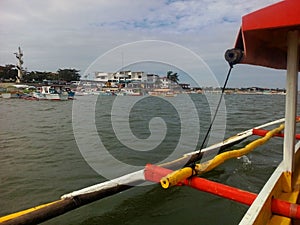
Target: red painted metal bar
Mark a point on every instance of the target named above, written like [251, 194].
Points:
[262, 132]
[155, 173]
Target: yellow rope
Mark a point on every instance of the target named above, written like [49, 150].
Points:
[179, 175]
[221, 158]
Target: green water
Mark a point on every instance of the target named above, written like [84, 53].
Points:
[40, 159]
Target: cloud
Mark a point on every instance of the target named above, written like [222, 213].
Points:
[126, 14]
[177, 16]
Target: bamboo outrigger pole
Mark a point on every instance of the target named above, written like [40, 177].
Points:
[48, 211]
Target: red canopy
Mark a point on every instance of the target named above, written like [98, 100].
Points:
[263, 34]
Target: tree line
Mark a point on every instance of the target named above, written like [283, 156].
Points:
[9, 73]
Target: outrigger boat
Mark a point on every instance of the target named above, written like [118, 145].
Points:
[268, 37]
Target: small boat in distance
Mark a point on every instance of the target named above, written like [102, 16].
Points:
[6, 95]
[51, 93]
[163, 92]
[130, 92]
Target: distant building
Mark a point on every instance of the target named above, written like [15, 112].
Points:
[152, 81]
[121, 77]
[103, 76]
[138, 76]
[135, 79]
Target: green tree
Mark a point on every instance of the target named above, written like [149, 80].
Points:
[68, 75]
[8, 72]
[38, 77]
[173, 77]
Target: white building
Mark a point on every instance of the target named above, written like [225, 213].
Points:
[152, 81]
[121, 77]
[138, 76]
[103, 76]
[133, 79]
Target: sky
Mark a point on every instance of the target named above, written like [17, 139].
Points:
[58, 34]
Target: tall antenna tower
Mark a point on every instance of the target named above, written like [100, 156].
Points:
[20, 62]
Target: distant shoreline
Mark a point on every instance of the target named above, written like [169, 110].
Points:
[228, 91]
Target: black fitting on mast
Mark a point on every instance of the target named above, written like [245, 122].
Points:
[234, 56]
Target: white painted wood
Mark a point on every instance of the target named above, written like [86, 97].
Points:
[123, 180]
[291, 101]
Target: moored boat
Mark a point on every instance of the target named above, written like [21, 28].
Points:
[6, 95]
[38, 95]
[71, 94]
[130, 92]
[163, 92]
[51, 93]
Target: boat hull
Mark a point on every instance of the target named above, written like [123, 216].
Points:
[260, 212]
[57, 97]
[6, 95]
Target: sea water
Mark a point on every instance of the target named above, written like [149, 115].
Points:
[42, 154]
